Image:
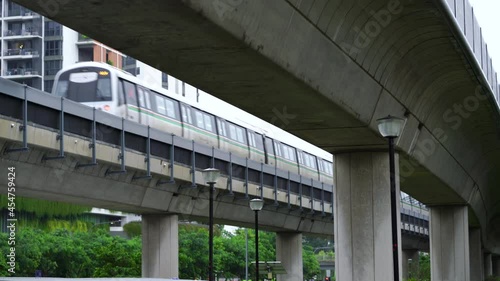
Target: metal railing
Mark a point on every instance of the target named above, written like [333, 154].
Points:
[20, 71]
[20, 52]
[21, 12]
[407, 199]
[21, 32]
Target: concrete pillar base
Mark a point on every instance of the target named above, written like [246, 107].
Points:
[160, 246]
[363, 241]
[488, 266]
[449, 243]
[496, 266]
[475, 254]
[289, 252]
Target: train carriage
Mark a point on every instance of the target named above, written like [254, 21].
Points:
[210, 121]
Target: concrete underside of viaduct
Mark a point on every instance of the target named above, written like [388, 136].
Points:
[326, 71]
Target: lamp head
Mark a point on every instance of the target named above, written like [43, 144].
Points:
[256, 204]
[390, 126]
[210, 175]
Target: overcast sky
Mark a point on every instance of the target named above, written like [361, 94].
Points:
[487, 14]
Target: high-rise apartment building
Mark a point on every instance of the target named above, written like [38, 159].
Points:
[33, 48]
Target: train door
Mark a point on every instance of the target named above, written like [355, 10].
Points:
[132, 108]
[222, 133]
[121, 109]
[187, 121]
[270, 155]
[144, 105]
[256, 146]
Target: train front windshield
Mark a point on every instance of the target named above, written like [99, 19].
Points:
[89, 84]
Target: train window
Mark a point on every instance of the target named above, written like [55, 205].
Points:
[285, 152]
[204, 120]
[186, 114]
[240, 134]
[251, 139]
[121, 96]
[171, 108]
[288, 152]
[269, 149]
[199, 119]
[140, 93]
[301, 159]
[309, 160]
[320, 165]
[328, 167]
[209, 119]
[222, 127]
[160, 105]
[277, 149]
[130, 93]
[236, 133]
[104, 89]
[258, 141]
[143, 98]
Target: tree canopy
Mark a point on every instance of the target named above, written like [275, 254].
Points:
[95, 253]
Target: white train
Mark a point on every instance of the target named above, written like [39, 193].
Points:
[209, 120]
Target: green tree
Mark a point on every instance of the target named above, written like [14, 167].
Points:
[193, 252]
[309, 262]
[132, 229]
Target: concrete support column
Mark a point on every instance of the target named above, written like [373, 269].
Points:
[160, 246]
[475, 254]
[410, 263]
[289, 252]
[488, 266]
[449, 243]
[363, 241]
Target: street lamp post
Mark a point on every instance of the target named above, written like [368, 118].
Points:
[390, 128]
[210, 176]
[256, 205]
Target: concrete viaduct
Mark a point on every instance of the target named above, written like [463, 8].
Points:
[326, 71]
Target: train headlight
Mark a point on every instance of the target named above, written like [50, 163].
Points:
[106, 107]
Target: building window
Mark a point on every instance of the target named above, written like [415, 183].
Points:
[52, 67]
[53, 28]
[53, 48]
[48, 84]
[128, 61]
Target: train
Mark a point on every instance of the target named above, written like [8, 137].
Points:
[207, 120]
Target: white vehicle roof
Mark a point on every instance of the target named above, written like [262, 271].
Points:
[218, 108]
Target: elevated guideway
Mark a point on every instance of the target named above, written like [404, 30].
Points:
[60, 163]
[326, 70]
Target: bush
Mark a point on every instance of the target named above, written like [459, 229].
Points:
[132, 229]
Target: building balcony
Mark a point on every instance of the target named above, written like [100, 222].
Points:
[21, 14]
[15, 34]
[84, 41]
[21, 73]
[84, 38]
[21, 53]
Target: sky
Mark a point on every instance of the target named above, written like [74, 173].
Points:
[487, 14]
